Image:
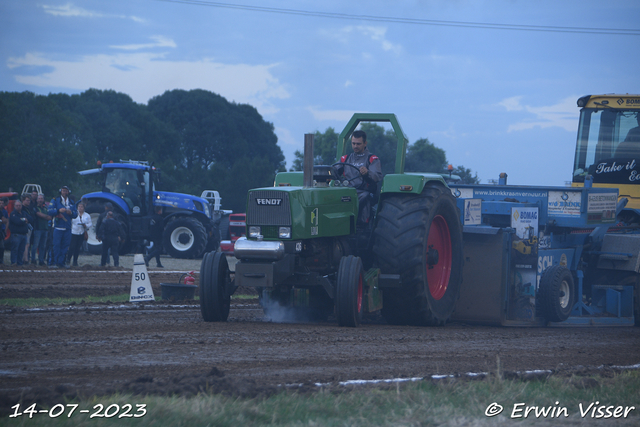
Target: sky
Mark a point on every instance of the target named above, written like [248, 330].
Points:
[493, 83]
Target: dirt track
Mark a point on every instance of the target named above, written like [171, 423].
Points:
[166, 348]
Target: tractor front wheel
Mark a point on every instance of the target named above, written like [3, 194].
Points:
[349, 291]
[215, 285]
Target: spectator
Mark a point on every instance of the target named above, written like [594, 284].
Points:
[107, 207]
[49, 250]
[28, 210]
[79, 226]
[110, 234]
[40, 230]
[156, 228]
[63, 210]
[4, 220]
[19, 223]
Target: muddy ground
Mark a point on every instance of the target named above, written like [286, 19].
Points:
[165, 347]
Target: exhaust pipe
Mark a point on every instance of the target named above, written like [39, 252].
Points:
[307, 162]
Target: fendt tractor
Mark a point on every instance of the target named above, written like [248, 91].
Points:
[561, 254]
[306, 252]
[190, 222]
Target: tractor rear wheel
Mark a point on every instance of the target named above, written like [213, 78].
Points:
[349, 291]
[215, 284]
[184, 238]
[419, 237]
[557, 293]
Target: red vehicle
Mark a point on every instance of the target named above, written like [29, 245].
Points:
[237, 229]
[12, 196]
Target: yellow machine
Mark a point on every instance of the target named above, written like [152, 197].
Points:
[608, 147]
[608, 155]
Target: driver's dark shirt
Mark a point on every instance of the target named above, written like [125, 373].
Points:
[359, 160]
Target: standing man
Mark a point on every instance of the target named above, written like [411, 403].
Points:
[63, 210]
[4, 221]
[111, 234]
[40, 230]
[28, 210]
[19, 225]
[156, 229]
[365, 176]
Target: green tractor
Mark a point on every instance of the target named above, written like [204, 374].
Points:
[305, 252]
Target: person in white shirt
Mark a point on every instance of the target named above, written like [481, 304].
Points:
[79, 227]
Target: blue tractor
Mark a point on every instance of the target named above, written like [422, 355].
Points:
[130, 187]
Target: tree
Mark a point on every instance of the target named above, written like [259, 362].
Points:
[218, 143]
[466, 175]
[38, 143]
[324, 149]
[113, 127]
[423, 156]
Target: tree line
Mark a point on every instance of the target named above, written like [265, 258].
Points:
[196, 138]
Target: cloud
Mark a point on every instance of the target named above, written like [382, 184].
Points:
[377, 34]
[145, 75]
[563, 114]
[70, 10]
[160, 41]
[511, 104]
[336, 115]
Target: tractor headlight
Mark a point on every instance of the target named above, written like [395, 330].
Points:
[284, 232]
[254, 231]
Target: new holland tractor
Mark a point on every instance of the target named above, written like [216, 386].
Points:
[306, 252]
[130, 187]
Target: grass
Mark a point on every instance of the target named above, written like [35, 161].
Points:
[42, 302]
[444, 402]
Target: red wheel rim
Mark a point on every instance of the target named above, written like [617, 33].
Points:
[359, 296]
[438, 273]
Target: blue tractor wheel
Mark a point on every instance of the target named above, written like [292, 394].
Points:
[185, 237]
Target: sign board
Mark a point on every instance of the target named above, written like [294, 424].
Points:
[472, 212]
[525, 222]
[564, 203]
[601, 207]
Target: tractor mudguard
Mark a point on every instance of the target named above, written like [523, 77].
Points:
[412, 183]
[107, 197]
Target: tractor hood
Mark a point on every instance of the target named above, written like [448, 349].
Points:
[310, 211]
[179, 200]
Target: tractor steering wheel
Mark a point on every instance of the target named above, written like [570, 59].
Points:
[362, 184]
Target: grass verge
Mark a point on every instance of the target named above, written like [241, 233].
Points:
[445, 402]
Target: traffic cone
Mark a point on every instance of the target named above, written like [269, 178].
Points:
[140, 285]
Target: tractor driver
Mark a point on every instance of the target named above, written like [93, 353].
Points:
[366, 175]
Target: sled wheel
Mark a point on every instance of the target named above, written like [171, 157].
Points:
[557, 293]
[349, 291]
[215, 284]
